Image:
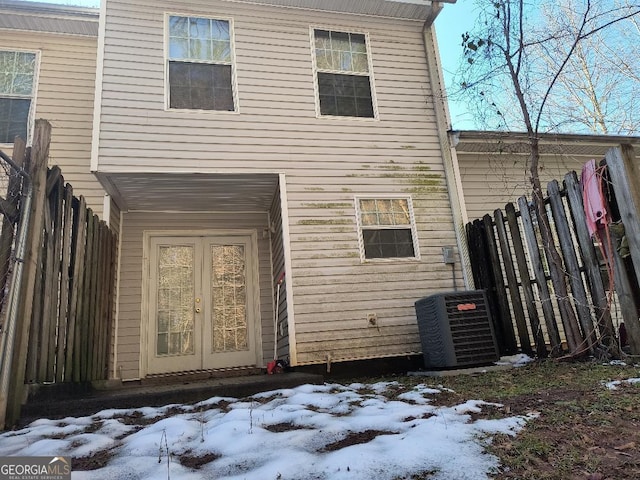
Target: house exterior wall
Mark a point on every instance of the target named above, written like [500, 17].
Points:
[131, 275]
[327, 161]
[490, 180]
[64, 97]
[494, 166]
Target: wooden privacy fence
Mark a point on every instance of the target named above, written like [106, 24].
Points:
[61, 277]
[508, 261]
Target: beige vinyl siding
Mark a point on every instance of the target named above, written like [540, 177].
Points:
[131, 265]
[490, 181]
[64, 97]
[327, 161]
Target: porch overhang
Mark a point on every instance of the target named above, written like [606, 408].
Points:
[424, 10]
[190, 192]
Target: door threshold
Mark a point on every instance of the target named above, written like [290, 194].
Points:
[198, 375]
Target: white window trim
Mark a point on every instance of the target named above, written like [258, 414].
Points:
[233, 63]
[413, 227]
[372, 82]
[31, 120]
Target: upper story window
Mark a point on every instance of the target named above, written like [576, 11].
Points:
[387, 228]
[343, 74]
[17, 89]
[200, 64]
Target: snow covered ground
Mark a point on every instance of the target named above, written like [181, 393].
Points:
[329, 432]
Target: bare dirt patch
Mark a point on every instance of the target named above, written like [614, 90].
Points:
[355, 438]
[197, 461]
[283, 427]
[92, 462]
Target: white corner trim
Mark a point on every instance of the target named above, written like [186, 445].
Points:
[97, 98]
[106, 209]
[451, 168]
[117, 313]
[286, 246]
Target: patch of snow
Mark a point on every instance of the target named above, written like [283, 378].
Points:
[614, 385]
[290, 434]
[517, 360]
[617, 363]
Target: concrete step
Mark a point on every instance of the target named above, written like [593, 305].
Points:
[59, 401]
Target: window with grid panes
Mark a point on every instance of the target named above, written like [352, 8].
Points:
[344, 82]
[200, 65]
[17, 79]
[387, 228]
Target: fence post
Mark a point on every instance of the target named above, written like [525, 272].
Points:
[38, 174]
[625, 176]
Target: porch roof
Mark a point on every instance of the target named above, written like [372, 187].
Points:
[192, 192]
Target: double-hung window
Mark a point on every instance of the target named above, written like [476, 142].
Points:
[343, 74]
[17, 89]
[387, 228]
[200, 64]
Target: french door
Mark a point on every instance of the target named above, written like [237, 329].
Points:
[202, 303]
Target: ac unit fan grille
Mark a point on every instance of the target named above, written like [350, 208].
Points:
[456, 330]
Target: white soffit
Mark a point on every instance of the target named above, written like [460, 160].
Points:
[407, 9]
[50, 18]
[195, 192]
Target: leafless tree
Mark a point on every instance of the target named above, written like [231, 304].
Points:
[515, 65]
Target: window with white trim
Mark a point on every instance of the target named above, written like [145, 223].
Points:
[17, 89]
[200, 64]
[343, 74]
[387, 228]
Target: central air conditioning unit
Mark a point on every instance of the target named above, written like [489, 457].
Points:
[456, 330]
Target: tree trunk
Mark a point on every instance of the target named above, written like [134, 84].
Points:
[575, 340]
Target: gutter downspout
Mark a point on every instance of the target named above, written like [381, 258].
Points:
[450, 159]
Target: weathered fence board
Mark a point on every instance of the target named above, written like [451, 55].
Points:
[572, 267]
[512, 283]
[523, 269]
[589, 260]
[538, 270]
[65, 279]
[583, 307]
[507, 339]
[61, 300]
[625, 176]
[79, 242]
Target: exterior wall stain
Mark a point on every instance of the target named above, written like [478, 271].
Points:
[328, 205]
[331, 221]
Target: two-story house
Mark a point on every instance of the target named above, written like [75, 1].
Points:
[47, 70]
[277, 171]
